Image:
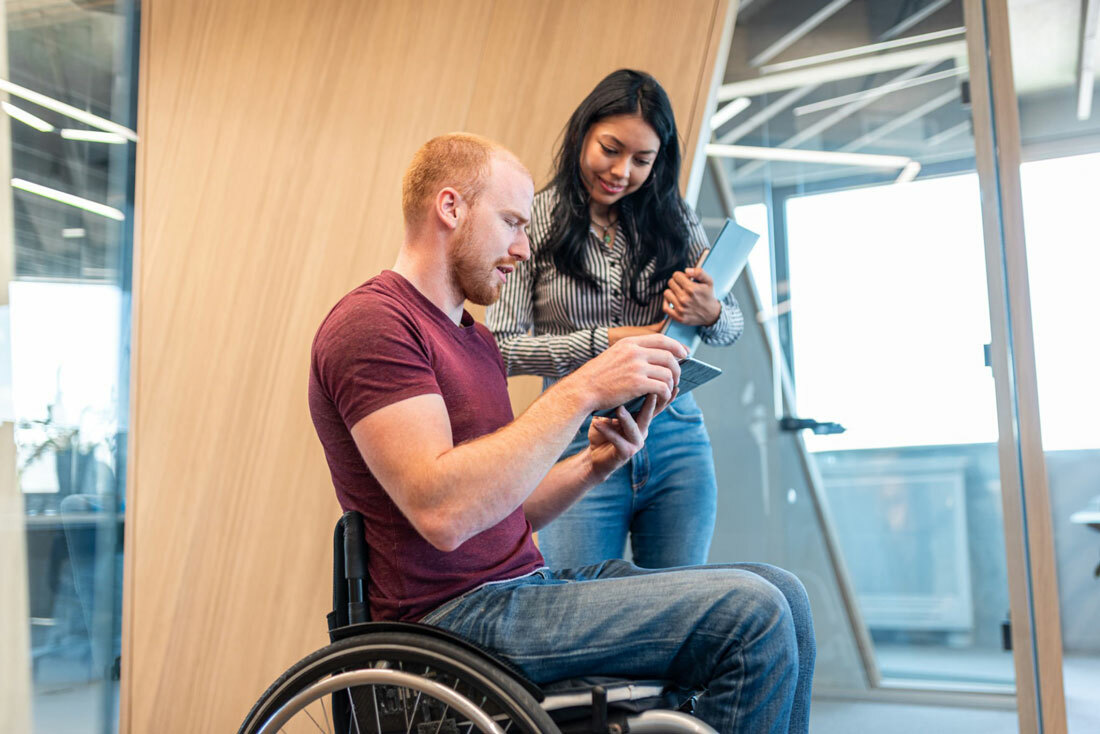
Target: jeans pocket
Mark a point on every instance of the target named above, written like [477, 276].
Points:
[689, 412]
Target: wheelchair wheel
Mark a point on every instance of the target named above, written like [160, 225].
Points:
[396, 682]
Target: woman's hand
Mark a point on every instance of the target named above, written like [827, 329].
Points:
[690, 299]
[616, 333]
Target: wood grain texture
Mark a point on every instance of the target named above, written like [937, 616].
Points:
[1025, 494]
[269, 170]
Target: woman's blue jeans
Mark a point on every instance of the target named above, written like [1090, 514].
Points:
[742, 632]
[664, 498]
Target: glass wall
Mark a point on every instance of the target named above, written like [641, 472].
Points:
[69, 83]
[1056, 59]
[856, 435]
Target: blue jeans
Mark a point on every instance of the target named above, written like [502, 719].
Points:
[743, 632]
[664, 497]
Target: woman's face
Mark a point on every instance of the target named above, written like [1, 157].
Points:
[617, 156]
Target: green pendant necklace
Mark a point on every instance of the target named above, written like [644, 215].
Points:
[605, 230]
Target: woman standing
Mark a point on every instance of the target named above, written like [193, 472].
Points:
[612, 242]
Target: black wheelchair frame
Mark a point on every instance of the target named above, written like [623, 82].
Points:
[371, 671]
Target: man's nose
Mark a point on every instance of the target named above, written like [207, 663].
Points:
[521, 247]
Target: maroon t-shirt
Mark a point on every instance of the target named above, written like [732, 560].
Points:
[382, 343]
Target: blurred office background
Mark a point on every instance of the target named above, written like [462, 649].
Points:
[856, 428]
[69, 98]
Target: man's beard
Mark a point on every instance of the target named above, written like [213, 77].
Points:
[472, 276]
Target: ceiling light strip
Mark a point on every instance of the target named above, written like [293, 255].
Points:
[67, 109]
[796, 34]
[915, 18]
[901, 120]
[911, 170]
[844, 70]
[765, 114]
[70, 199]
[861, 50]
[92, 136]
[866, 160]
[730, 111]
[879, 91]
[812, 131]
[949, 133]
[17, 113]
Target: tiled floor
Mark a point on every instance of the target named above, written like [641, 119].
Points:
[1082, 685]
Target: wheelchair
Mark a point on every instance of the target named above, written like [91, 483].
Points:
[409, 678]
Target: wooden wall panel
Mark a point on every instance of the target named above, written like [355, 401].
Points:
[274, 137]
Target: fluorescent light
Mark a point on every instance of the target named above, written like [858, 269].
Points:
[26, 118]
[912, 168]
[861, 50]
[92, 136]
[72, 232]
[796, 155]
[915, 18]
[843, 70]
[879, 91]
[70, 199]
[826, 122]
[901, 120]
[765, 114]
[67, 109]
[949, 133]
[730, 111]
[796, 33]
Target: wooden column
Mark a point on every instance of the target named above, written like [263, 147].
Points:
[273, 139]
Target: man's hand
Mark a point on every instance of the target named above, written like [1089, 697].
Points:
[616, 333]
[640, 365]
[690, 298]
[612, 441]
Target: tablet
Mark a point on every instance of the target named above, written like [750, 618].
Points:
[693, 373]
[724, 262]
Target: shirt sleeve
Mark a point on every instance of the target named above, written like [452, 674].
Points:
[511, 319]
[367, 359]
[731, 322]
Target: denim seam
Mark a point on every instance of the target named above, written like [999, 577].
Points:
[657, 643]
[449, 606]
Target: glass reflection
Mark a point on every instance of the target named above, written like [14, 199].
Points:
[68, 114]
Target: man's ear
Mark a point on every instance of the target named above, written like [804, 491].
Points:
[450, 207]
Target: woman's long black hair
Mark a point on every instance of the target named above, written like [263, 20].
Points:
[653, 218]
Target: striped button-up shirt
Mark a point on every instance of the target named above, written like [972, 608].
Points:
[547, 323]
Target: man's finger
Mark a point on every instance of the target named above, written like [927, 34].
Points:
[660, 341]
[616, 438]
[645, 415]
[662, 404]
[629, 427]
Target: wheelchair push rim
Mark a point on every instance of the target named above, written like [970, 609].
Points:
[477, 718]
[398, 682]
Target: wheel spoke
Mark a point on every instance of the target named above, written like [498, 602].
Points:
[446, 708]
[328, 726]
[377, 715]
[354, 713]
[314, 721]
[415, 704]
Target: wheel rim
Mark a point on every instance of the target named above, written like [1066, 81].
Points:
[405, 709]
[392, 679]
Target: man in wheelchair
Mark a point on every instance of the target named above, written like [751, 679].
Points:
[409, 398]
